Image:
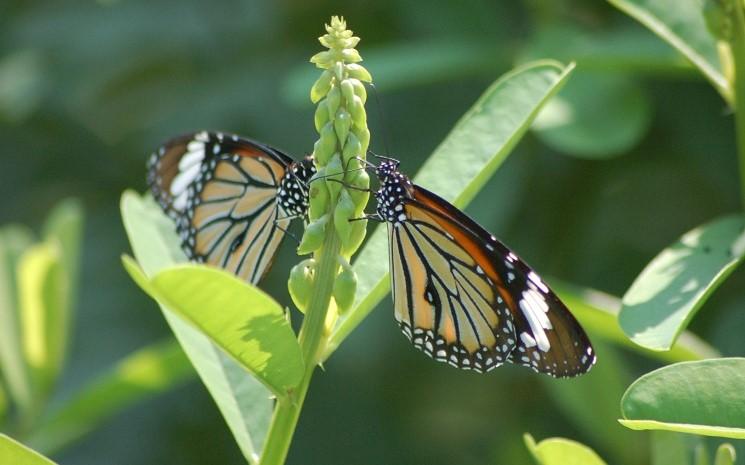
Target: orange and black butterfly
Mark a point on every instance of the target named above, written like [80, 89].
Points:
[232, 198]
[463, 297]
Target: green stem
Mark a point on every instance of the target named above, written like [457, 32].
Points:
[312, 341]
[738, 54]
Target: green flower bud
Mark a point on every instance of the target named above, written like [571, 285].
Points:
[353, 148]
[347, 90]
[325, 146]
[339, 70]
[321, 117]
[343, 212]
[301, 283]
[319, 196]
[364, 135]
[358, 72]
[321, 86]
[322, 59]
[345, 287]
[333, 100]
[334, 174]
[359, 89]
[357, 110]
[313, 236]
[360, 180]
[351, 56]
[356, 236]
[342, 123]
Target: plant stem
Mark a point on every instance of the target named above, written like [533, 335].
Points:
[738, 54]
[312, 340]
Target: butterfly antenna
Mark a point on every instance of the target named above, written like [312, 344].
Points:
[385, 129]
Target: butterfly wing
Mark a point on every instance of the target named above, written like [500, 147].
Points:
[222, 191]
[545, 336]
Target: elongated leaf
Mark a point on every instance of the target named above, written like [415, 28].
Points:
[667, 294]
[41, 296]
[560, 451]
[143, 374]
[15, 453]
[681, 23]
[64, 229]
[598, 313]
[460, 166]
[14, 240]
[704, 397]
[239, 318]
[725, 455]
[243, 401]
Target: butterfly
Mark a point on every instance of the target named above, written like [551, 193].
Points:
[462, 296]
[232, 198]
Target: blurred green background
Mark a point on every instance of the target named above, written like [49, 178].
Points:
[89, 89]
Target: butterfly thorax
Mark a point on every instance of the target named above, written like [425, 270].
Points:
[292, 194]
[394, 189]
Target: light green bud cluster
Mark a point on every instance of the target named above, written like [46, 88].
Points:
[340, 189]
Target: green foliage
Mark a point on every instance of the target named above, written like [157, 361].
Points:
[667, 294]
[16, 453]
[704, 397]
[560, 451]
[682, 24]
[244, 402]
[239, 318]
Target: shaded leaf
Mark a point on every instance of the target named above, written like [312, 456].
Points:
[560, 451]
[243, 401]
[671, 448]
[480, 142]
[146, 372]
[15, 453]
[596, 115]
[669, 291]
[703, 397]
[725, 455]
[14, 240]
[242, 320]
[681, 23]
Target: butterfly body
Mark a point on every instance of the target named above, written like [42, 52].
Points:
[463, 297]
[231, 198]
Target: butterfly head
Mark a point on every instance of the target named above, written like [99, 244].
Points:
[292, 194]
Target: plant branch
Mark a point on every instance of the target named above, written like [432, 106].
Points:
[738, 53]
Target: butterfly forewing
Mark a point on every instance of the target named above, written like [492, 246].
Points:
[232, 198]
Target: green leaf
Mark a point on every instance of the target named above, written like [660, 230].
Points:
[241, 319]
[144, 373]
[460, 166]
[560, 451]
[596, 115]
[15, 453]
[590, 403]
[243, 401]
[704, 397]
[41, 291]
[681, 23]
[14, 240]
[671, 448]
[667, 294]
[725, 455]
[598, 313]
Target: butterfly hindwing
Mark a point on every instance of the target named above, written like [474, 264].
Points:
[227, 195]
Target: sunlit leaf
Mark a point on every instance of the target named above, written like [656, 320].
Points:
[560, 451]
[15, 453]
[704, 397]
[596, 115]
[239, 318]
[146, 372]
[14, 240]
[460, 166]
[681, 23]
[41, 291]
[666, 295]
[243, 401]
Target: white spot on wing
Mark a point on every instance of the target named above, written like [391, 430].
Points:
[534, 307]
